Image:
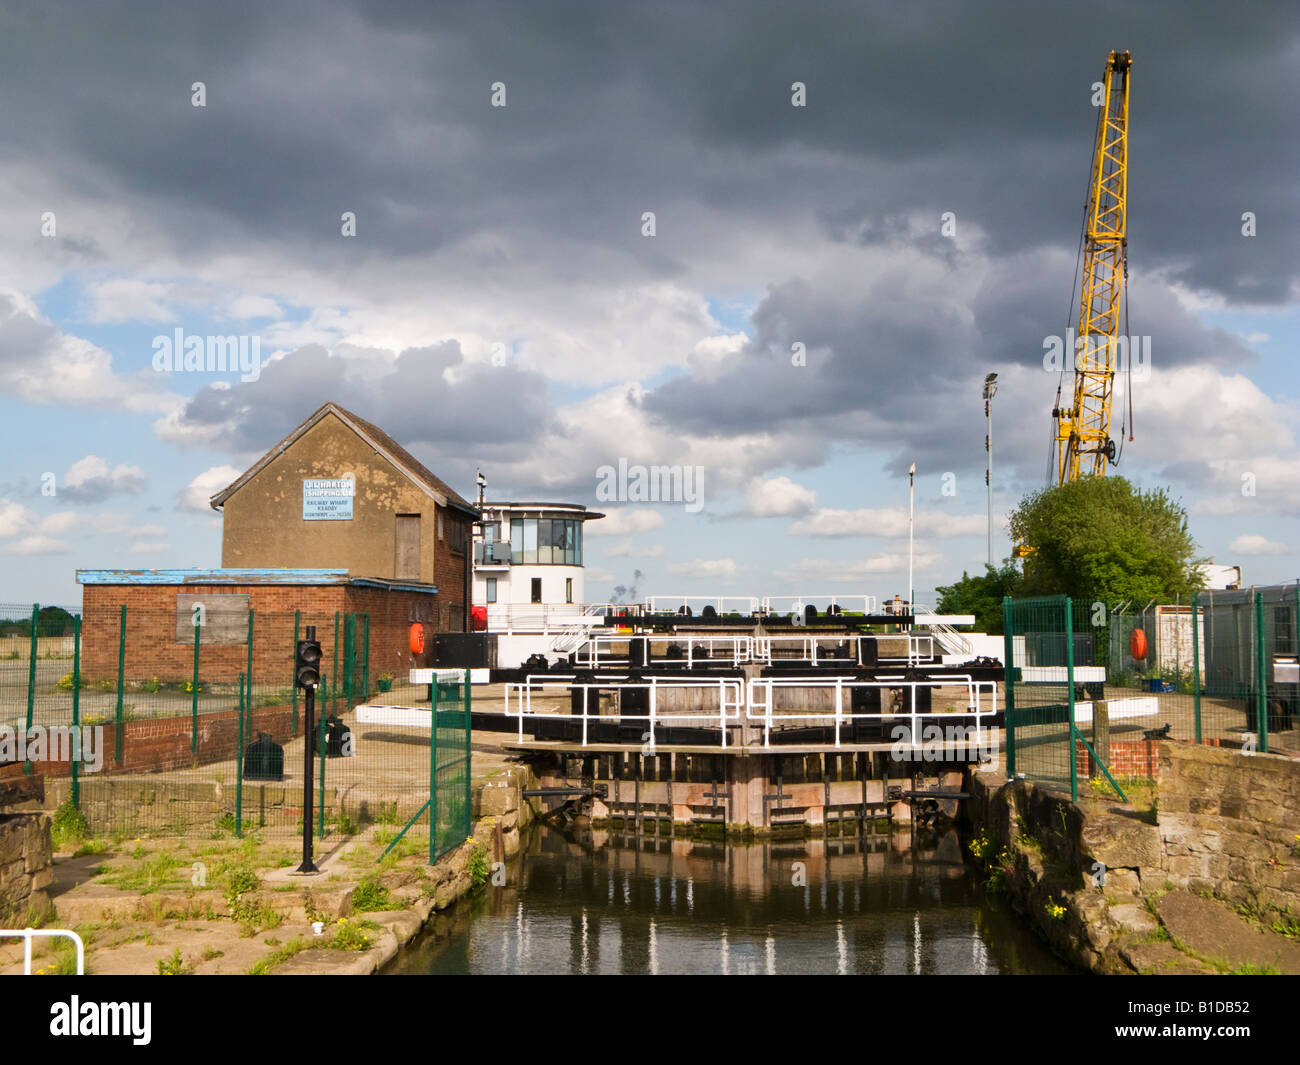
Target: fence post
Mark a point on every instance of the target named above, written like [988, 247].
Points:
[31, 679]
[1069, 680]
[297, 621]
[1261, 677]
[194, 690]
[365, 660]
[433, 768]
[248, 696]
[334, 684]
[320, 745]
[1196, 662]
[349, 631]
[121, 686]
[1008, 685]
[465, 707]
[239, 764]
[76, 709]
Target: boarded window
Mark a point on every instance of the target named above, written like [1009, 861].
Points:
[407, 565]
[220, 618]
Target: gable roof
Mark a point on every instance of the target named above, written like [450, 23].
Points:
[403, 460]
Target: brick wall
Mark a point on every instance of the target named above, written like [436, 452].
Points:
[449, 572]
[156, 744]
[153, 650]
[1128, 758]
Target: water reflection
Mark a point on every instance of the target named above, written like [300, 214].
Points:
[596, 903]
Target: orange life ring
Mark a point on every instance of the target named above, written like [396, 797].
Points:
[1137, 644]
[417, 639]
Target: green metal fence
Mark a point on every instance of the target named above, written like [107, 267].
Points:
[159, 711]
[1039, 689]
[1219, 669]
[447, 811]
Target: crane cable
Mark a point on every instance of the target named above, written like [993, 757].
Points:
[1128, 386]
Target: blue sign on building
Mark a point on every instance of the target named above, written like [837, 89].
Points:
[328, 500]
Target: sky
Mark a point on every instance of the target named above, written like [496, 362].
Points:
[537, 240]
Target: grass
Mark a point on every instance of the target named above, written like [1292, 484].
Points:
[174, 965]
[69, 826]
[148, 874]
[295, 946]
[371, 895]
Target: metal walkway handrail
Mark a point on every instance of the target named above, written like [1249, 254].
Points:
[589, 653]
[950, 639]
[756, 696]
[759, 699]
[798, 602]
[920, 648]
[28, 934]
[730, 697]
[672, 602]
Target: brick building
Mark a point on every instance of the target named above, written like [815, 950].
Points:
[335, 519]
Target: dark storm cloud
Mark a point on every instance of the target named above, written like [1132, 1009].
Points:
[913, 110]
[495, 407]
[383, 109]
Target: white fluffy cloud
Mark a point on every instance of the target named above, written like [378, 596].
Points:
[889, 522]
[778, 497]
[839, 570]
[701, 567]
[91, 480]
[1250, 544]
[624, 521]
[196, 496]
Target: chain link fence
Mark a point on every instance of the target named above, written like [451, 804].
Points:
[1220, 669]
[186, 721]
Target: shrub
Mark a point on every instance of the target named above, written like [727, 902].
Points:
[69, 826]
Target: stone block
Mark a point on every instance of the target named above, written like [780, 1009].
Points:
[1133, 917]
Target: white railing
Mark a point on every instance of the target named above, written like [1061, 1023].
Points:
[812, 649]
[952, 641]
[28, 934]
[731, 695]
[597, 651]
[760, 690]
[865, 604]
[573, 635]
[723, 604]
[757, 697]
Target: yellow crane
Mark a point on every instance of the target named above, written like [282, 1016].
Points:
[1083, 445]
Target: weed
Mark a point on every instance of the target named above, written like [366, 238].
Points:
[478, 867]
[352, 934]
[284, 953]
[371, 895]
[210, 953]
[69, 826]
[174, 965]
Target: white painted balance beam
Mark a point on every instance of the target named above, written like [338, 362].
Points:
[1120, 709]
[1058, 674]
[448, 676]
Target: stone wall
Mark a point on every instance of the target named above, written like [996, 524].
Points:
[1230, 823]
[1227, 824]
[25, 873]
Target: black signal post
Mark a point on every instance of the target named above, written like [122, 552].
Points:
[306, 675]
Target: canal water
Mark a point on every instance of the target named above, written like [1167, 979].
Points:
[596, 902]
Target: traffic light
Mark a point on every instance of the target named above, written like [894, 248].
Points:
[306, 668]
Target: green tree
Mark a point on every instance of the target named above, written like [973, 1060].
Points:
[1101, 539]
[980, 595]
